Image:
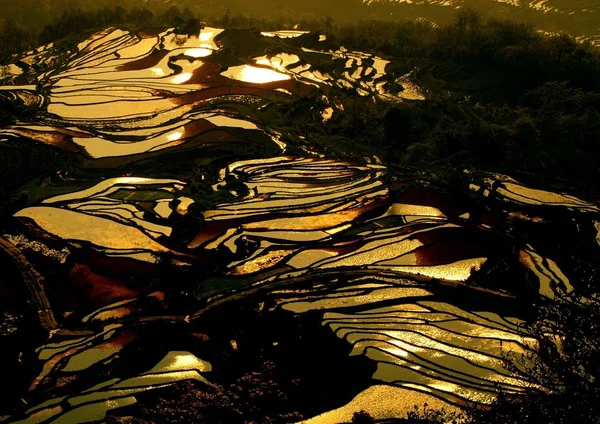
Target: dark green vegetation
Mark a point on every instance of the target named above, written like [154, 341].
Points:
[502, 97]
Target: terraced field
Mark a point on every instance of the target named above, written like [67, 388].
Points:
[388, 271]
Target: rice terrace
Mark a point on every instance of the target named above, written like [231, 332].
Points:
[213, 214]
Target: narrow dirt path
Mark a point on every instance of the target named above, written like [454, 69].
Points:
[34, 283]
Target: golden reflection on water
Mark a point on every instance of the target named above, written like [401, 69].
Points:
[103, 186]
[262, 262]
[174, 136]
[88, 357]
[377, 251]
[382, 402]
[280, 62]
[179, 361]
[408, 209]
[93, 403]
[254, 74]
[411, 92]
[540, 197]
[184, 204]
[263, 61]
[315, 222]
[307, 257]
[552, 280]
[99, 231]
[480, 392]
[226, 121]
[327, 114]
[468, 347]
[374, 296]
[198, 52]
[417, 344]
[284, 33]
[457, 271]
[181, 78]
[116, 110]
[206, 35]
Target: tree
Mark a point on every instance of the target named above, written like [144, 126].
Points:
[142, 18]
[12, 38]
[173, 17]
[328, 25]
[192, 26]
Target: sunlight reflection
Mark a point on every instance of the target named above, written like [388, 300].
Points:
[254, 74]
[205, 36]
[263, 61]
[199, 52]
[181, 78]
[174, 136]
[184, 362]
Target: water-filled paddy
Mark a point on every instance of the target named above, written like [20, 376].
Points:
[185, 200]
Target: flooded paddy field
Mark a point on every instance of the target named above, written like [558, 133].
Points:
[579, 18]
[195, 257]
[576, 17]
